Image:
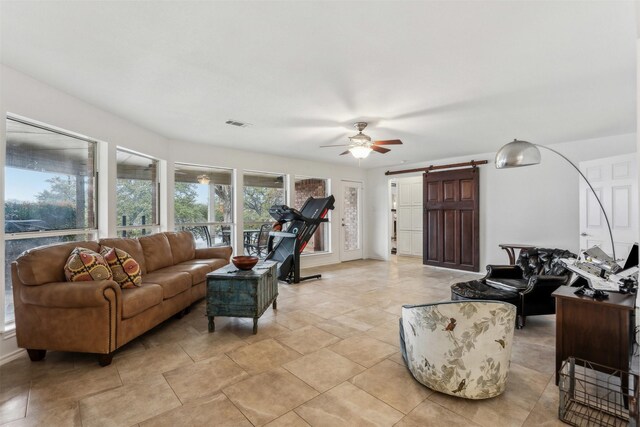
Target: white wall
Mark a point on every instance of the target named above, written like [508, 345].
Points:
[27, 97]
[535, 205]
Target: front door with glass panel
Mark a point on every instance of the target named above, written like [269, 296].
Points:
[351, 221]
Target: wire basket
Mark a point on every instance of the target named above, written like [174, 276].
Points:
[596, 395]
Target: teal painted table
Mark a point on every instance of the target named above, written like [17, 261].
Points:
[237, 293]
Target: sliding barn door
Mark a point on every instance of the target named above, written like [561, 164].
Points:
[451, 219]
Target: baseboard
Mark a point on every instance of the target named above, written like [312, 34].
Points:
[12, 356]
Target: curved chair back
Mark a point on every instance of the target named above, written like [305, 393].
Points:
[461, 348]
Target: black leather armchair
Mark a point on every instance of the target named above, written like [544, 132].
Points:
[536, 274]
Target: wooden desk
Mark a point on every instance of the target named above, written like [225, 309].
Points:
[510, 249]
[597, 331]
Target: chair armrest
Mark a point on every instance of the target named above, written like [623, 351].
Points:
[223, 252]
[545, 284]
[504, 272]
[71, 294]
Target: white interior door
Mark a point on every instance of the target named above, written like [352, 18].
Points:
[615, 181]
[351, 221]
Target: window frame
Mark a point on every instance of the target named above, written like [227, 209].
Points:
[327, 228]
[152, 228]
[232, 224]
[90, 231]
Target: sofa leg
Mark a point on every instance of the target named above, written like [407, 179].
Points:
[36, 355]
[179, 315]
[105, 359]
[520, 321]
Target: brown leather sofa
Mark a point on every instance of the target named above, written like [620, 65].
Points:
[99, 317]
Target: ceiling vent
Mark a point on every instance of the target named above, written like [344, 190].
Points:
[237, 123]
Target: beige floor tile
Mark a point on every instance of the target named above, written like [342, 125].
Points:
[332, 308]
[297, 319]
[323, 369]
[393, 384]
[338, 329]
[243, 328]
[66, 414]
[209, 345]
[173, 330]
[433, 415]
[386, 332]
[353, 323]
[214, 410]
[22, 370]
[372, 316]
[542, 358]
[263, 355]
[347, 405]
[13, 402]
[51, 391]
[487, 412]
[397, 358]
[128, 404]
[265, 397]
[290, 419]
[307, 339]
[364, 350]
[545, 412]
[154, 361]
[204, 378]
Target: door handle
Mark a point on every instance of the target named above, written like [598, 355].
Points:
[583, 234]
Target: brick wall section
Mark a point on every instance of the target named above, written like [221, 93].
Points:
[306, 188]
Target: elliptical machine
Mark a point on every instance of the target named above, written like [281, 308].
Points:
[297, 229]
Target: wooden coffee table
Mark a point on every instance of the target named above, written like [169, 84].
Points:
[237, 293]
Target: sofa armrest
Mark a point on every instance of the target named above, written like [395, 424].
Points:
[223, 252]
[71, 294]
[504, 272]
[545, 284]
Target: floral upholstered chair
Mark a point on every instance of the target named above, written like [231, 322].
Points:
[460, 348]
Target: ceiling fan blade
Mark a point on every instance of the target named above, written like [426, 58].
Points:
[388, 142]
[380, 149]
[339, 145]
[346, 152]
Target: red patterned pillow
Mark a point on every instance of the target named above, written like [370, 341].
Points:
[126, 270]
[86, 265]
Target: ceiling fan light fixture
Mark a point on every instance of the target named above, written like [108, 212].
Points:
[360, 152]
[360, 138]
[203, 179]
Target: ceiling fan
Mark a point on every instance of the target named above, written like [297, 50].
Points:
[361, 145]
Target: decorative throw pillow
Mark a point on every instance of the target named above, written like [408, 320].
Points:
[126, 270]
[86, 265]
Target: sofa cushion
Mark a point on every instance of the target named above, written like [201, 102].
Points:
[85, 265]
[157, 251]
[130, 246]
[172, 283]
[198, 272]
[45, 264]
[183, 246]
[126, 270]
[214, 264]
[138, 299]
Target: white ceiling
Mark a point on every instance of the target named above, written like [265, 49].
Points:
[448, 78]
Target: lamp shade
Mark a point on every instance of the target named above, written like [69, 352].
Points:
[516, 154]
[360, 152]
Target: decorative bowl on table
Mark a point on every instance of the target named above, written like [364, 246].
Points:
[245, 262]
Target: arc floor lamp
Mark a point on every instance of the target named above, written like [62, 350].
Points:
[522, 153]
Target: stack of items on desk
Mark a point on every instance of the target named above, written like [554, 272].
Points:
[603, 273]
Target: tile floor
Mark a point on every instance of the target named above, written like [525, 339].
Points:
[328, 356]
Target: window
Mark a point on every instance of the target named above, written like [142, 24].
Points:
[313, 187]
[203, 201]
[50, 193]
[137, 195]
[261, 191]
